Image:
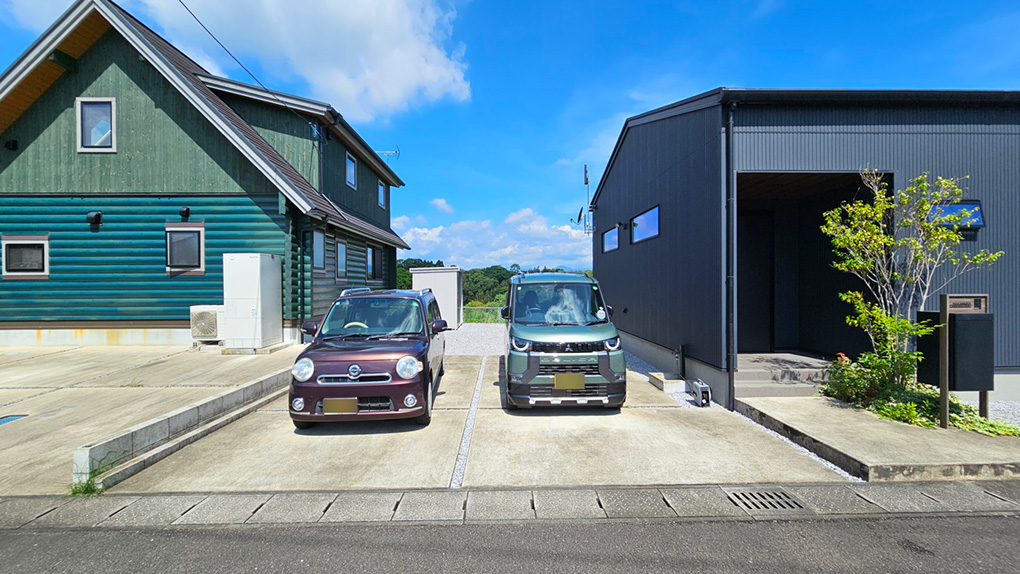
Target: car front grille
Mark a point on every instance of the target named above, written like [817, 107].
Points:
[346, 380]
[374, 404]
[586, 347]
[590, 390]
[554, 369]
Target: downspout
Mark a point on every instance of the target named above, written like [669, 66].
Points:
[731, 261]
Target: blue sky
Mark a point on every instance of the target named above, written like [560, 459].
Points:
[496, 106]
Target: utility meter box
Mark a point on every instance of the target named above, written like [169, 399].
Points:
[971, 345]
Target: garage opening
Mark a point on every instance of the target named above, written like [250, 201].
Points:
[787, 290]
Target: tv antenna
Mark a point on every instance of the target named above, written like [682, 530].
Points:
[584, 218]
[389, 154]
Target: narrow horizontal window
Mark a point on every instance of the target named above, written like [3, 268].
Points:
[26, 256]
[352, 171]
[97, 125]
[611, 240]
[185, 249]
[645, 226]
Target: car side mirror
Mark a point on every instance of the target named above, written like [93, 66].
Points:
[309, 327]
[439, 325]
[610, 309]
[505, 312]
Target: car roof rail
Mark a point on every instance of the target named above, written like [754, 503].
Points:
[355, 290]
[425, 290]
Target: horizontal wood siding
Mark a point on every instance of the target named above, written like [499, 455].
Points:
[118, 271]
[163, 143]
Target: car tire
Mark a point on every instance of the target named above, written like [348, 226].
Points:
[442, 368]
[302, 424]
[426, 417]
[504, 397]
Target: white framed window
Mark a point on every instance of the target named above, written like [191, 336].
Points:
[611, 240]
[352, 171]
[96, 119]
[341, 260]
[382, 194]
[25, 256]
[185, 248]
[645, 226]
[318, 249]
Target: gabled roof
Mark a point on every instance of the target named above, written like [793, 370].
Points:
[85, 21]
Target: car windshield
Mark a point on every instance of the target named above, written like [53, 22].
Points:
[558, 304]
[373, 317]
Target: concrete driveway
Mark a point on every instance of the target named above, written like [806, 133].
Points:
[652, 441]
[73, 395]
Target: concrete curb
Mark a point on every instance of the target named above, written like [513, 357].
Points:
[121, 453]
[882, 472]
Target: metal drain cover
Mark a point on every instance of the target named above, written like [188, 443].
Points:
[766, 501]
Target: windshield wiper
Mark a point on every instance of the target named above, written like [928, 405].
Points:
[593, 322]
[395, 335]
[349, 336]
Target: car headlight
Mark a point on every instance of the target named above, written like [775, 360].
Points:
[613, 344]
[408, 367]
[520, 345]
[303, 369]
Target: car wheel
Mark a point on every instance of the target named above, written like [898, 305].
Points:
[442, 368]
[302, 424]
[425, 418]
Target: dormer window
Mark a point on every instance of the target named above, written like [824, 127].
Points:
[97, 125]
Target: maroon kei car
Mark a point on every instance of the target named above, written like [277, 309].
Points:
[376, 355]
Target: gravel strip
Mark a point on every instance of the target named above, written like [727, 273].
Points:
[477, 339]
[1005, 411]
[469, 426]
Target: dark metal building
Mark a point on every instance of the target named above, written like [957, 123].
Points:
[733, 183]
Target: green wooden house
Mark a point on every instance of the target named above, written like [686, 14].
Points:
[127, 171]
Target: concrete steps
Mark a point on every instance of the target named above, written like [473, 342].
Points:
[778, 375]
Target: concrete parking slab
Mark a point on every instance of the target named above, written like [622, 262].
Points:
[263, 452]
[292, 507]
[84, 512]
[500, 505]
[224, 509]
[200, 369]
[699, 501]
[453, 391]
[153, 511]
[878, 449]
[560, 504]
[834, 499]
[635, 503]
[38, 449]
[362, 507]
[431, 506]
[9, 398]
[641, 393]
[16, 512]
[79, 365]
[9, 355]
[574, 447]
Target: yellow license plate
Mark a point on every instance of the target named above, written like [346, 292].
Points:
[339, 406]
[569, 381]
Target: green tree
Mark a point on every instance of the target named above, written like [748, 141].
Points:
[904, 246]
[403, 278]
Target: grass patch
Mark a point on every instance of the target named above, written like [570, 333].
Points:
[88, 487]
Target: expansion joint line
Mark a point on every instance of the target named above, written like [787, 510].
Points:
[457, 480]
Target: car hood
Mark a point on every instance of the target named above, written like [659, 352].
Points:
[564, 333]
[362, 350]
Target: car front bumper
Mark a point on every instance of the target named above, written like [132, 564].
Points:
[374, 401]
[532, 379]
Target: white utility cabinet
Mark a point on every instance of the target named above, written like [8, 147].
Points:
[253, 300]
[447, 284]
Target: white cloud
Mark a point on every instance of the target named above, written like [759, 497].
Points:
[400, 223]
[442, 205]
[525, 237]
[368, 59]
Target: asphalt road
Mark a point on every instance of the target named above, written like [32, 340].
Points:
[929, 544]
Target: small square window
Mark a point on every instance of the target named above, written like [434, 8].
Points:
[26, 257]
[645, 226]
[382, 194]
[185, 249]
[318, 249]
[352, 171]
[611, 240]
[97, 125]
[341, 259]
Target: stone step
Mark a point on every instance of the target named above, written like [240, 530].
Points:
[780, 375]
[773, 389]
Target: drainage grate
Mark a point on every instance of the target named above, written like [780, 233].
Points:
[767, 502]
[10, 418]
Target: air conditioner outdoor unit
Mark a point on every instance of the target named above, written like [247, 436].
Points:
[207, 322]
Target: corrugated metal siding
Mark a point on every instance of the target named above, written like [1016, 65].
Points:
[365, 200]
[668, 290]
[951, 142]
[163, 142]
[118, 273]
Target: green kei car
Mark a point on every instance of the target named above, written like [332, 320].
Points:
[561, 348]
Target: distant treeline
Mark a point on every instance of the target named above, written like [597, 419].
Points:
[485, 287]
